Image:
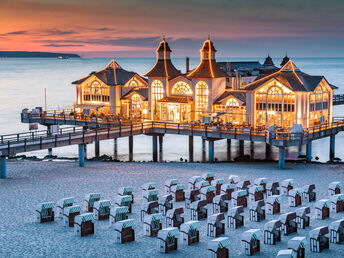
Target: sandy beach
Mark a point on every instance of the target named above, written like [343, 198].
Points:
[32, 182]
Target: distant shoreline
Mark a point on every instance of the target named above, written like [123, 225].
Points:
[28, 54]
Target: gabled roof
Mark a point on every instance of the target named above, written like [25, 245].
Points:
[143, 92]
[290, 76]
[113, 74]
[238, 95]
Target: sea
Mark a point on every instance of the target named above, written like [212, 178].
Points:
[23, 82]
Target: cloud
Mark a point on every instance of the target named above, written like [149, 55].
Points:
[18, 32]
[57, 32]
[63, 45]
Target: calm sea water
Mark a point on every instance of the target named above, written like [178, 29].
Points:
[22, 83]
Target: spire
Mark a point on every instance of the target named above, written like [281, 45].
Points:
[285, 59]
[163, 51]
[268, 61]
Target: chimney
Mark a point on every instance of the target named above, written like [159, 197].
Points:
[187, 64]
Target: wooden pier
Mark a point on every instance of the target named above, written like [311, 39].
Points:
[338, 99]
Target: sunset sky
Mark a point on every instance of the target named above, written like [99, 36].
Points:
[133, 28]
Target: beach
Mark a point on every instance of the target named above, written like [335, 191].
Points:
[33, 182]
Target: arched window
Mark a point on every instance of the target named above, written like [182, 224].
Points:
[318, 105]
[133, 83]
[157, 90]
[232, 102]
[96, 93]
[136, 103]
[202, 97]
[181, 88]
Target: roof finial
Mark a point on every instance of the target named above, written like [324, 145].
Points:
[208, 36]
[163, 37]
[286, 53]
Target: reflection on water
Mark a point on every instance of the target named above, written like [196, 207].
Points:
[22, 83]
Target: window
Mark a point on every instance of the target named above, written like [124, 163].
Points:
[181, 88]
[136, 104]
[133, 83]
[157, 90]
[318, 106]
[232, 102]
[201, 97]
[96, 93]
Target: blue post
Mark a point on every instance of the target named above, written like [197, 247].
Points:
[309, 151]
[3, 167]
[332, 147]
[241, 148]
[96, 148]
[131, 143]
[115, 148]
[81, 155]
[211, 151]
[281, 157]
[204, 152]
[155, 148]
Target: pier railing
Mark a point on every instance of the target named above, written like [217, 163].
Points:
[338, 99]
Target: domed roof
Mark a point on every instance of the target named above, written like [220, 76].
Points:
[268, 61]
[285, 60]
[163, 46]
[208, 45]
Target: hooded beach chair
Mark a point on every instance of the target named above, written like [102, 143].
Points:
[235, 217]
[101, 209]
[239, 198]
[63, 203]
[151, 195]
[257, 211]
[337, 203]
[302, 217]
[165, 203]
[174, 217]
[199, 210]
[218, 183]
[218, 248]
[147, 187]
[84, 224]
[318, 240]
[149, 208]
[295, 197]
[322, 209]
[178, 191]
[118, 214]
[192, 182]
[126, 191]
[298, 245]
[308, 193]
[69, 214]
[272, 232]
[250, 241]
[243, 185]
[216, 225]
[201, 184]
[256, 193]
[152, 224]
[337, 232]
[168, 239]
[234, 179]
[192, 196]
[272, 189]
[286, 253]
[221, 203]
[208, 177]
[334, 188]
[261, 181]
[45, 212]
[208, 193]
[289, 224]
[190, 232]
[273, 204]
[169, 183]
[125, 200]
[124, 231]
[89, 201]
[286, 186]
[228, 189]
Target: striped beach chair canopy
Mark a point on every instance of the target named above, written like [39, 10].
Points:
[149, 185]
[149, 193]
[322, 203]
[214, 218]
[128, 223]
[199, 203]
[202, 184]
[335, 185]
[239, 193]
[190, 225]
[195, 179]
[122, 200]
[125, 190]
[319, 231]
[294, 192]
[168, 233]
[303, 211]
[221, 197]
[153, 217]
[261, 180]
[178, 187]
[255, 188]
[175, 211]
[337, 225]
[337, 198]
[71, 209]
[256, 205]
[287, 182]
[220, 242]
[308, 188]
[272, 225]
[119, 210]
[234, 211]
[165, 199]
[102, 204]
[287, 217]
[208, 189]
[297, 242]
[234, 179]
[274, 198]
[45, 206]
[84, 218]
[226, 187]
[205, 176]
[218, 181]
[287, 253]
[251, 234]
[65, 202]
[171, 182]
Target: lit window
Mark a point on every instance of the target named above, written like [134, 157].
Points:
[181, 88]
[318, 106]
[133, 83]
[232, 102]
[201, 97]
[96, 93]
[157, 90]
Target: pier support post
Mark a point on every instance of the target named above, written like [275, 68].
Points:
[241, 148]
[191, 149]
[204, 150]
[81, 155]
[131, 143]
[332, 147]
[281, 157]
[155, 147]
[161, 150]
[85, 151]
[115, 153]
[3, 172]
[96, 148]
[50, 150]
[252, 150]
[309, 151]
[267, 151]
[229, 141]
[211, 151]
